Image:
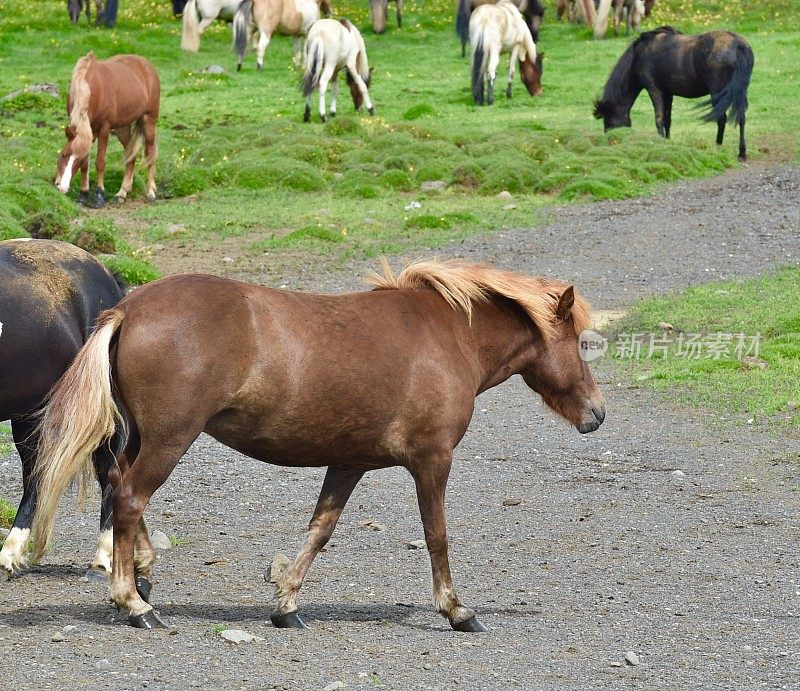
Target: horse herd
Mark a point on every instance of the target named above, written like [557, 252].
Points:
[261, 370]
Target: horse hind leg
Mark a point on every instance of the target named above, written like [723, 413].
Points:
[742, 145]
[130, 139]
[324, 79]
[334, 93]
[491, 74]
[148, 125]
[261, 48]
[336, 489]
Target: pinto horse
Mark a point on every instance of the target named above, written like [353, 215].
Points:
[353, 382]
[52, 293]
[120, 95]
[532, 10]
[496, 29]
[333, 45]
[287, 17]
[378, 9]
[668, 63]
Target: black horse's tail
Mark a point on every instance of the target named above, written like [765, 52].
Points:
[478, 59]
[241, 28]
[733, 96]
[463, 11]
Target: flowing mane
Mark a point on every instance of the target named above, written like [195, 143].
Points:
[79, 96]
[462, 283]
[618, 82]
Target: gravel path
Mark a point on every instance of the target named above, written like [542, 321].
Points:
[606, 552]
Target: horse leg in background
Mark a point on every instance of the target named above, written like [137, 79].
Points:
[512, 63]
[14, 555]
[742, 146]
[83, 195]
[339, 483]
[430, 476]
[657, 97]
[334, 93]
[618, 9]
[100, 166]
[400, 15]
[125, 138]
[297, 57]
[721, 128]
[148, 124]
[491, 72]
[103, 462]
[667, 114]
[362, 87]
[325, 77]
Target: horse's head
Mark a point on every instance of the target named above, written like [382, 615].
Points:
[69, 160]
[325, 7]
[377, 15]
[355, 92]
[612, 114]
[531, 74]
[561, 377]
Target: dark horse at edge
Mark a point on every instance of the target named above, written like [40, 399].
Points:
[667, 63]
[107, 16]
[51, 294]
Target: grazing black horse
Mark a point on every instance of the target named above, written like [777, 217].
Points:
[50, 295]
[668, 63]
[105, 15]
[532, 10]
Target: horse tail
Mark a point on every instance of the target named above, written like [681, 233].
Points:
[80, 94]
[733, 96]
[478, 68]
[241, 25]
[463, 12]
[190, 38]
[81, 414]
[134, 143]
[315, 61]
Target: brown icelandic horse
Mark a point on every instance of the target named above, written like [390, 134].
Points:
[353, 382]
[668, 63]
[120, 95]
[378, 9]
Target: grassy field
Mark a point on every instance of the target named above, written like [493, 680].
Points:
[761, 379]
[236, 160]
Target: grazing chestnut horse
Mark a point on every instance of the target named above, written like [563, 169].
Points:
[287, 17]
[333, 45]
[120, 95]
[352, 382]
[497, 29]
[532, 10]
[378, 9]
[668, 63]
[51, 294]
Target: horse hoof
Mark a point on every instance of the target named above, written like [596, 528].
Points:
[93, 574]
[238, 68]
[148, 620]
[150, 198]
[99, 200]
[323, 118]
[307, 115]
[117, 199]
[372, 110]
[83, 198]
[471, 625]
[143, 587]
[743, 158]
[333, 114]
[290, 620]
[259, 67]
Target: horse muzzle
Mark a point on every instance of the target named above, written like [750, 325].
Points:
[592, 419]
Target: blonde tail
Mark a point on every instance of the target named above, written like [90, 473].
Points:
[80, 415]
[190, 39]
[135, 143]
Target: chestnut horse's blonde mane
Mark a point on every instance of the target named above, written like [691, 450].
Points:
[462, 283]
[79, 96]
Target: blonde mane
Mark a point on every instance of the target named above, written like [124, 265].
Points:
[461, 284]
[79, 96]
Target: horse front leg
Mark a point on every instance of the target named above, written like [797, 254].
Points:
[400, 15]
[430, 477]
[83, 195]
[150, 154]
[100, 166]
[334, 93]
[512, 62]
[657, 97]
[667, 114]
[362, 87]
[340, 481]
[721, 129]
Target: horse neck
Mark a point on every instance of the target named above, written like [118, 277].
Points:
[503, 340]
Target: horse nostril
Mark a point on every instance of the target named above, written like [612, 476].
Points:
[599, 413]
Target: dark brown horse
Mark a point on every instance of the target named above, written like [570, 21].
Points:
[667, 63]
[50, 295]
[353, 382]
[120, 95]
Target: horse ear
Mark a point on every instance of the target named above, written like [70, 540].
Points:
[565, 303]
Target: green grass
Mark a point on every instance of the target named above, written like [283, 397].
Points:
[7, 513]
[237, 160]
[7, 510]
[765, 306]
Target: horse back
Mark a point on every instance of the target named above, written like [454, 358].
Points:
[123, 88]
[51, 293]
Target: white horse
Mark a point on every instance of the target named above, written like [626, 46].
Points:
[198, 14]
[333, 45]
[496, 29]
[286, 17]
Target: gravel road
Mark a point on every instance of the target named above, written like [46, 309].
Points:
[574, 549]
